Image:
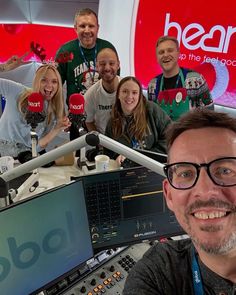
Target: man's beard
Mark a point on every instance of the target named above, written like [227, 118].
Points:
[214, 246]
[220, 248]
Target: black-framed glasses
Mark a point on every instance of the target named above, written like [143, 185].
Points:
[184, 175]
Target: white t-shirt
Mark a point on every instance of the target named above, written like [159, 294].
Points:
[98, 105]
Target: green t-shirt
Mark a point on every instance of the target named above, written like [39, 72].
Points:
[80, 73]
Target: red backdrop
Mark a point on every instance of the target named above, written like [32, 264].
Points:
[17, 39]
[207, 35]
[206, 31]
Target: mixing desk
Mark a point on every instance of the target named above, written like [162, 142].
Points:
[105, 274]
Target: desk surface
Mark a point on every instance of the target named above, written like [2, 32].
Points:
[47, 178]
[57, 175]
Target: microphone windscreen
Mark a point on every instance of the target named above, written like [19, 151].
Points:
[35, 102]
[76, 104]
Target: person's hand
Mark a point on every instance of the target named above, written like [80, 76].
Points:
[63, 124]
[120, 159]
[14, 62]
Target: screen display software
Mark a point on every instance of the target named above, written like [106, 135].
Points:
[42, 238]
[127, 206]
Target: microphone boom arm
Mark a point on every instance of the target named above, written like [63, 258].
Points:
[93, 139]
[131, 154]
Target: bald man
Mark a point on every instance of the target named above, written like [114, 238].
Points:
[101, 96]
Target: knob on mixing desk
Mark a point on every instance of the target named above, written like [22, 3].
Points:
[83, 289]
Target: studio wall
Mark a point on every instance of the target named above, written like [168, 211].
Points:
[206, 33]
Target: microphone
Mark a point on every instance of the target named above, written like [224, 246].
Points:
[35, 113]
[76, 110]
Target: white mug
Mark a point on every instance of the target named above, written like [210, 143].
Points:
[102, 162]
[6, 164]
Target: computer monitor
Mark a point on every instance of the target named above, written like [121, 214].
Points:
[43, 238]
[127, 206]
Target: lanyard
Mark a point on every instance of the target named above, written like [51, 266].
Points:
[87, 62]
[197, 280]
[180, 77]
[134, 143]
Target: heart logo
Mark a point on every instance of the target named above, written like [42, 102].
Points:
[210, 36]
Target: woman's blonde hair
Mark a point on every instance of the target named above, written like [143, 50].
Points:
[138, 128]
[56, 106]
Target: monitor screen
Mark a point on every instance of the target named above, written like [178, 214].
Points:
[127, 206]
[42, 238]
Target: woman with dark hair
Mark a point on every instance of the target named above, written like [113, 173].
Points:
[135, 121]
[15, 135]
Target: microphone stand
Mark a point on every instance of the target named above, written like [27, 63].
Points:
[79, 121]
[32, 182]
[34, 141]
[81, 162]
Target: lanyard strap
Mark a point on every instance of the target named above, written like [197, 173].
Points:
[87, 62]
[134, 143]
[197, 280]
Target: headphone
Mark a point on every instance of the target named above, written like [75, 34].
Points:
[26, 156]
[91, 154]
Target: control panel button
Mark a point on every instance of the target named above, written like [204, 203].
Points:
[103, 275]
[83, 289]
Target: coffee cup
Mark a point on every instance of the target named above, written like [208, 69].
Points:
[102, 163]
[6, 164]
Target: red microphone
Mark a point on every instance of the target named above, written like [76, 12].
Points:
[76, 104]
[76, 110]
[35, 102]
[35, 113]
